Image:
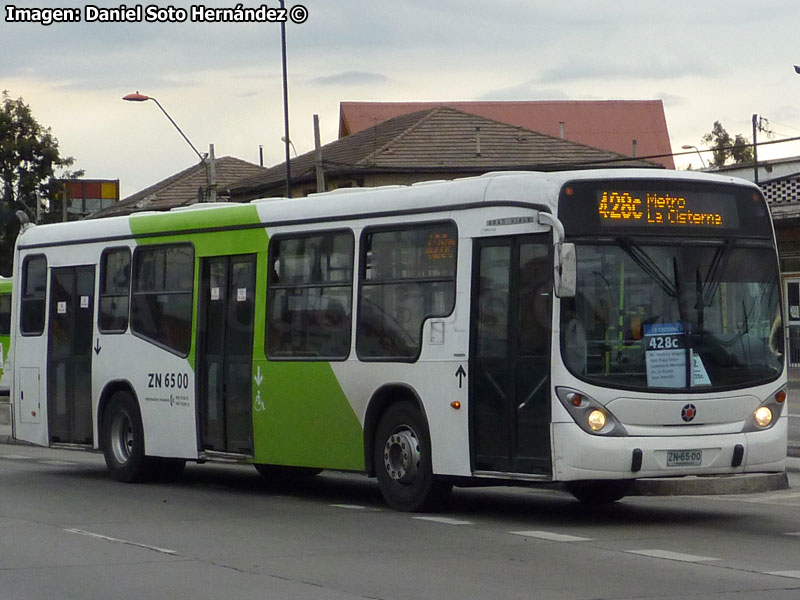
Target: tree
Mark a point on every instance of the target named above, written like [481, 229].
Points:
[29, 159]
[726, 150]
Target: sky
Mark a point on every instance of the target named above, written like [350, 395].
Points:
[708, 60]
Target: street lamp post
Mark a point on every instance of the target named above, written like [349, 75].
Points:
[209, 167]
[286, 107]
[696, 149]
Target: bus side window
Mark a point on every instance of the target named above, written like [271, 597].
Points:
[161, 300]
[115, 287]
[34, 287]
[5, 314]
[310, 296]
[407, 276]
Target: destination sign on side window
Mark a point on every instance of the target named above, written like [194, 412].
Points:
[665, 210]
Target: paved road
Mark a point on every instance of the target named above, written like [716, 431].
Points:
[67, 531]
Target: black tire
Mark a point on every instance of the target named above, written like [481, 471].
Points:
[402, 456]
[165, 469]
[123, 439]
[600, 491]
[279, 473]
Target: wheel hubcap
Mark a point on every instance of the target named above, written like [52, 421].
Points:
[401, 455]
[122, 438]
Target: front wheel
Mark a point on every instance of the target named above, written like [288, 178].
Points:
[123, 439]
[600, 491]
[403, 461]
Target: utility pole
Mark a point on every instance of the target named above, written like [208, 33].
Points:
[318, 157]
[756, 125]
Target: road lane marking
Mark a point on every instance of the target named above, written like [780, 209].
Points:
[17, 457]
[58, 463]
[121, 541]
[349, 506]
[443, 520]
[792, 574]
[667, 555]
[550, 536]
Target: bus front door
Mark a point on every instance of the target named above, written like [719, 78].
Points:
[225, 353]
[69, 355]
[510, 364]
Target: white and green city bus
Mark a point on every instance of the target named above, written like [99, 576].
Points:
[5, 333]
[587, 327]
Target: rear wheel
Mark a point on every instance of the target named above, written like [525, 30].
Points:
[123, 439]
[600, 491]
[403, 461]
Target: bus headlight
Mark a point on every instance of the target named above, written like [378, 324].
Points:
[763, 416]
[767, 413]
[596, 420]
[589, 414]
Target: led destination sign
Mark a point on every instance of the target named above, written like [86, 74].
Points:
[662, 209]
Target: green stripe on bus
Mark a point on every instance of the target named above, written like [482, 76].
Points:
[301, 416]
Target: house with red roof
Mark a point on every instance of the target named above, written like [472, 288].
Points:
[635, 128]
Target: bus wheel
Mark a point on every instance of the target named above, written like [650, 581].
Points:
[123, 439]
[403, 461]
[599, 491]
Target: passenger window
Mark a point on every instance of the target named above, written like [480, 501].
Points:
[115, 286]
[407, 276]
[5, 314]
[161, 301]
[309, 311]
[34, 288]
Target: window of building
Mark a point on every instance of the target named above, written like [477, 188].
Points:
[309, 307]
[407, 276]
[161, 302]
[115, 287]
[34, 288]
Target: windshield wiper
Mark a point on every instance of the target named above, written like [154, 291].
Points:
[649, 266]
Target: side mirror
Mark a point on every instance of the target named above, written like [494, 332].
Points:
[566, 270]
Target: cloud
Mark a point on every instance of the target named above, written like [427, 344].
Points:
[528, 90]
[636, 68]
[351, 78]
[671, 100]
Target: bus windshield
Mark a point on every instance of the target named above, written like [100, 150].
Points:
[701, 316]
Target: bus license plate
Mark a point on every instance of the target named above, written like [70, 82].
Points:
[684, 458]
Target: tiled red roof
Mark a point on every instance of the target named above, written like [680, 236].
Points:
[181, 189]
[440, 140]
[607, 124]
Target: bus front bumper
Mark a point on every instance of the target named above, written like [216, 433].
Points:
[581, 456]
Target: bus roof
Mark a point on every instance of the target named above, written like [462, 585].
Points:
[537, 189]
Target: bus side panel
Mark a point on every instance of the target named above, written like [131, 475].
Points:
[303, 418]
[163, 384]
[29, 382]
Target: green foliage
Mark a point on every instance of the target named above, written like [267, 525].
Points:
[727, 150]
[29, 159]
